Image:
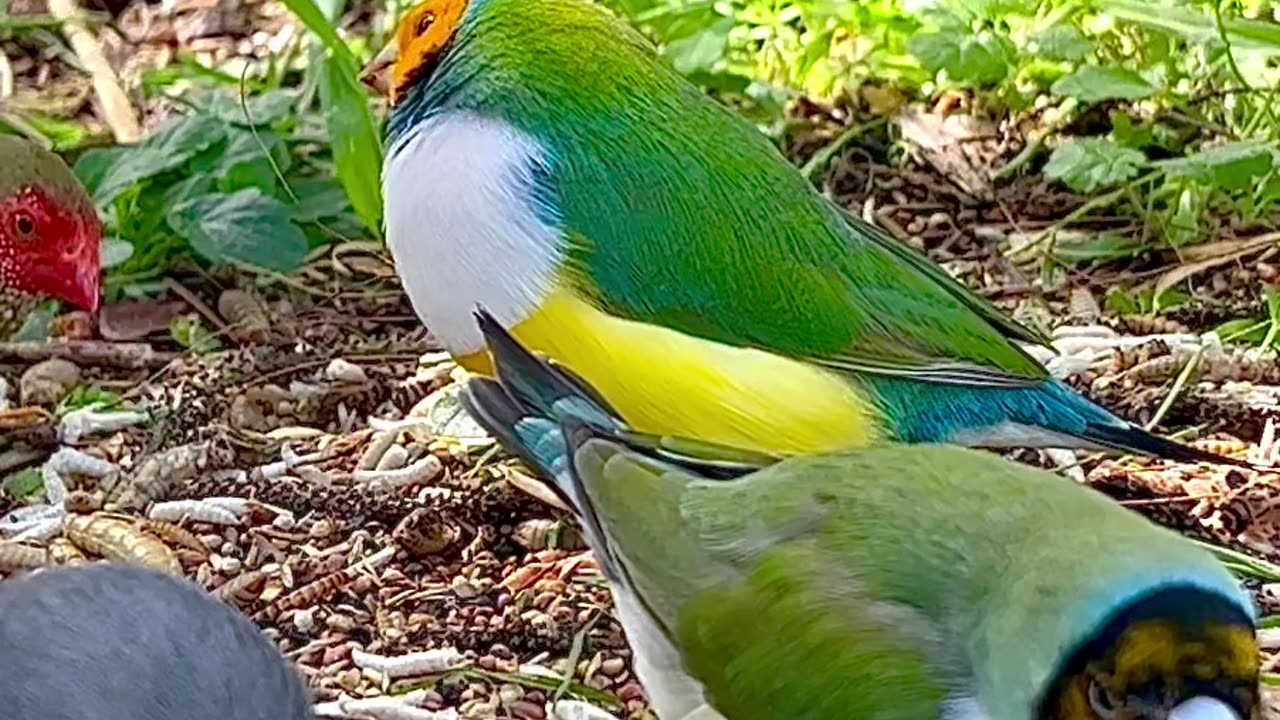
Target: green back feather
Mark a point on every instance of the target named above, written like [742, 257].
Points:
[647, 173]
[923, 570]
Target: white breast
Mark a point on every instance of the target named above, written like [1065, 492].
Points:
[463, 226]
[673, 693]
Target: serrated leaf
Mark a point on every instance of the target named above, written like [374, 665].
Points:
[965, 58]
[1091, 84]
[1087, 164]
[169, 147]
[246, 226]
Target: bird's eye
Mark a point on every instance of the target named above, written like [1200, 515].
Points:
[1100, 700]
[24, 225]
[425, 22]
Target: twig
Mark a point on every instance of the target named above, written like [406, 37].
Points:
[116, 108]
[89, 353]
[194, 301]
[820, 159]
[1178, 385]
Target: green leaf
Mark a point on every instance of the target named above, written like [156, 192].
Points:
[188, 332]
[355, 140]
[87, 397]
[700, 50]
[1119, 302]
[1087, 164]
[24, 483]
[1184, 222]
[980, 60]
[1231, 166]
[318, 199]
[115, 251]
[1062, 42]
[1243, 330]
[246, 226]
[1102, 248]
[264, 108]
[1091, 84]
[169, 147]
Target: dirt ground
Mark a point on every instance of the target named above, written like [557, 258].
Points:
[319, 475]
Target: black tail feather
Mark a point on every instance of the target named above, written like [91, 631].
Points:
[1134, 439]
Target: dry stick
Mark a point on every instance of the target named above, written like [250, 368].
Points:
[116, 108]
[1178, 385]
[88, 353]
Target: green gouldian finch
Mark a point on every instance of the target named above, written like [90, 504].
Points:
[50, 234]
[545, 163]
[896, 582]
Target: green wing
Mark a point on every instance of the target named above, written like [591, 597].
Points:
[761, 613]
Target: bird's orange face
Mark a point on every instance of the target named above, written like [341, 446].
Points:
[422, 36]
[50, 248]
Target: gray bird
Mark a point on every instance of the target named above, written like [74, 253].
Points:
[115, 642]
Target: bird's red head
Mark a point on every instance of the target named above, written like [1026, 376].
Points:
[50, 247]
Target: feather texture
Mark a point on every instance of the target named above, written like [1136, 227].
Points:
[898, 582]
[675, 215]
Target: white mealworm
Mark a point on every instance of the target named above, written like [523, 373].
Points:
[578, 710]
[424, 470]
[382, 708]
[290, 459]
[23, 516]
[239, 506]
[372, 455]
[340, 370]
[380, 425]
[313, 475]
[78, 423]
[70, 460]
[394, 459]
[427, 662]
[198, 510]
[40, 531]
[55, 488]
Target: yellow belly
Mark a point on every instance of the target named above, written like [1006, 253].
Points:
[668, 383]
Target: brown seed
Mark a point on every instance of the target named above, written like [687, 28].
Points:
[433, 700]
[631, 691]
[526, 710]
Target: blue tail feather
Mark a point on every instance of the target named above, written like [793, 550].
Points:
[1049, 413]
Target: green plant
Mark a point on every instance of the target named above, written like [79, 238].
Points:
[230, 182]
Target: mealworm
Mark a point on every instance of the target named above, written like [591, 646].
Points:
[198, 510]
[175, 534]
[121, 541]
[426, 662]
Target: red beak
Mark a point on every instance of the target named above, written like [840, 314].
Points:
[87, 290]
